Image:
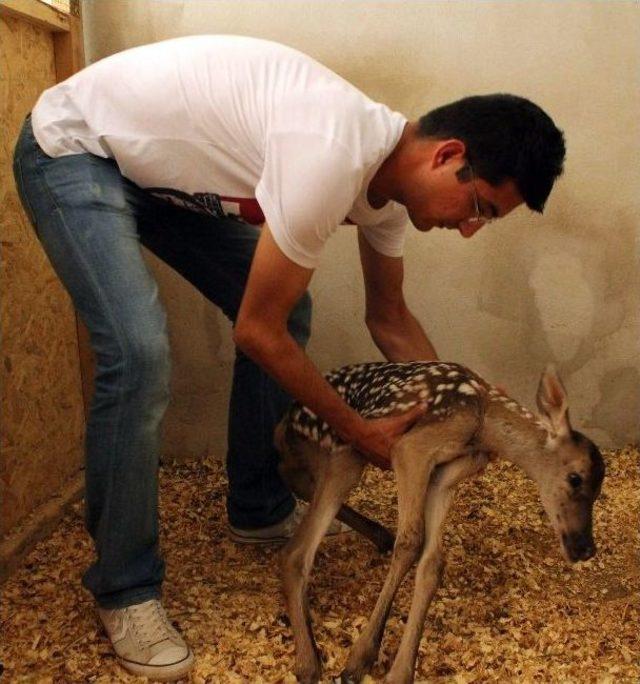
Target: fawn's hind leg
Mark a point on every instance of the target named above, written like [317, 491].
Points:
[299, 468]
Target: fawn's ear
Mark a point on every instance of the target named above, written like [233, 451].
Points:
[553, 402]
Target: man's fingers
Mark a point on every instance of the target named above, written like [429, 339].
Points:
[384, 432]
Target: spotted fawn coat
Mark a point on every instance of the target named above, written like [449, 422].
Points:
[466, 420]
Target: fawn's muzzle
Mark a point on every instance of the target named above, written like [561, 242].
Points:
[579, 546]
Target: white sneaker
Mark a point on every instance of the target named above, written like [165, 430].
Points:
[145, 641]
[283, 531]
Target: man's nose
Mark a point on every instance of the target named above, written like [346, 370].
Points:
[468, 230]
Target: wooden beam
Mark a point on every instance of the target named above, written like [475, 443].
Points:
[36, 12]
[68, 47]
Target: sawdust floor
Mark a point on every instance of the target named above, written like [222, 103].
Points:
[510, 610]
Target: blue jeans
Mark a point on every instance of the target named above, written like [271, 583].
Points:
[91, 222]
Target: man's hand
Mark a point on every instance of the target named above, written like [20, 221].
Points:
[380, 434]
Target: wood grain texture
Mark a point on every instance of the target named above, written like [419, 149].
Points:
[41, 410]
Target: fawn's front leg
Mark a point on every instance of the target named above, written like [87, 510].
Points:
[414, 457]
[336, 476]
[412, 476]
[428, 573]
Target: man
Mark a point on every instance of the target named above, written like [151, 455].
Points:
[187, 146]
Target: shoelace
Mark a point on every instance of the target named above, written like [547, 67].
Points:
[150, 623]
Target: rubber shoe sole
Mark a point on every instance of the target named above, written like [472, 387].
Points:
[160, 673]
[281, 532]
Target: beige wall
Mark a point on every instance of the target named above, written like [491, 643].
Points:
[562, 287]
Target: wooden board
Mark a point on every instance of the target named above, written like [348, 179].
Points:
[41, 410]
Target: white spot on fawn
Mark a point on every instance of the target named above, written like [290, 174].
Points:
[464, 388]
[405, 406]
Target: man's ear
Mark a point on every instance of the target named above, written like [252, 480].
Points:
[448, 150]
[553, 402]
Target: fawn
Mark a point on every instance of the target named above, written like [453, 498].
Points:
[467, 420]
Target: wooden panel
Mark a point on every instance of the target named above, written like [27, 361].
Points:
[41, 409]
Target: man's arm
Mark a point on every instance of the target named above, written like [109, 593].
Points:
[275, 285]
[394, 329]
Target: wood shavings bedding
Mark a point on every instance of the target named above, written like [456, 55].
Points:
[510, 609]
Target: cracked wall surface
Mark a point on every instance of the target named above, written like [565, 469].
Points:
[529, 290]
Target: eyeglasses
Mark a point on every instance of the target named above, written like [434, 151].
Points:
[479, 219]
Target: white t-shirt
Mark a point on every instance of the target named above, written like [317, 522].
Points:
[234, 125]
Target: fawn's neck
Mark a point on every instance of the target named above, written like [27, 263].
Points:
[514, 434]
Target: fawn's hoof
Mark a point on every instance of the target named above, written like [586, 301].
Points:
[399, 677]
[308, 675]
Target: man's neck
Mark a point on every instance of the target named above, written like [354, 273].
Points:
[386, 183]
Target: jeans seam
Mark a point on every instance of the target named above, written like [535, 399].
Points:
[17, 166]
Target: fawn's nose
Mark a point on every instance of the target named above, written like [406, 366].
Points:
[580, 546]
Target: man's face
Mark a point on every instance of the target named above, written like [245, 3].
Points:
[443, 192]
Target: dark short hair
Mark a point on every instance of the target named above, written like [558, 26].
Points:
[507, 137]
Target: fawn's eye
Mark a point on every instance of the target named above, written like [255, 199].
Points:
[575, 480]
